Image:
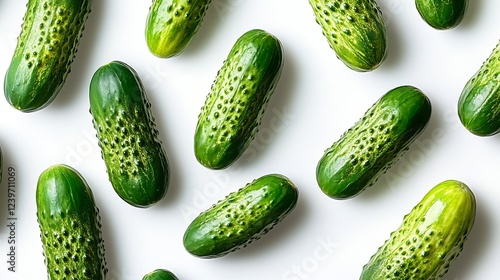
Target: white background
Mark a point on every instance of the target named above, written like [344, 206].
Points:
[316, 100]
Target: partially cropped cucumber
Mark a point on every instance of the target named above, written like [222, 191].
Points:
[355, 30]
[442, 14]
[240, 218]
[172, 24]
[479, 102]
[234, 107]
[44, 53]
[160, 274]
[136, 163]
[365, 151]
[431, 236]
[70, 225]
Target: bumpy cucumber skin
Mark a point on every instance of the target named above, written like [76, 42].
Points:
[242, 217]
[172, 24]
[431, 236]
[160, 274]
[45, 50]
[355, 30]
[136, 163]
[234, 107]
[442, 15]
[479, 102]
[369, 148]
[70, 225]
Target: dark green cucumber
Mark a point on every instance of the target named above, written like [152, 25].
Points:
[479, 102]
[70, 225]
[442, 14]
[233, 110]
[172, 24]
[365, 151]
[44, 53]
[431, 236]
[240, 218]
[160, 274]
[355, 30]
[136, 163]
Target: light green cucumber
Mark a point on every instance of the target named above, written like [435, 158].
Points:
[355, 30]
[172, 24]
[431, 236]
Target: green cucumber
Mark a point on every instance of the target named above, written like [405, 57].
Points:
[369, 148]
[431, 236]
[355, 30]
[69, 225]
[242, 217]
[160, 274]
[44, 53]
[479, 102]
[136, 163]
[172, 24]
[234, 107]
[442, 14]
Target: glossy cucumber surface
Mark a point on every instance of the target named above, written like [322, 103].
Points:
[242, 217]
[442, 14]
[136, 162]
[160, 274]
[234, 107]
[369, 148]
[431, 236]
[479, 102]
[45, 50]
[70, 226]
[355, 30]
[172, 24]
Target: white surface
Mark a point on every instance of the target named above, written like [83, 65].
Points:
[316, 100]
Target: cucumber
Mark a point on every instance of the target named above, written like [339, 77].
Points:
[242, 217]
[234, 107]
[44, 52]
[479, 102]
[442, 14]
[431, 236]
[70, 225]
[172, 24]
[136, 163]
[355, 30]
[369, 148]
[160, 274]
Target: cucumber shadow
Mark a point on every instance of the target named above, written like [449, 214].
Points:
[112, 259]
[213, 18]
[396, 49]
[175, 182]
[77, 81]
[472, 15]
